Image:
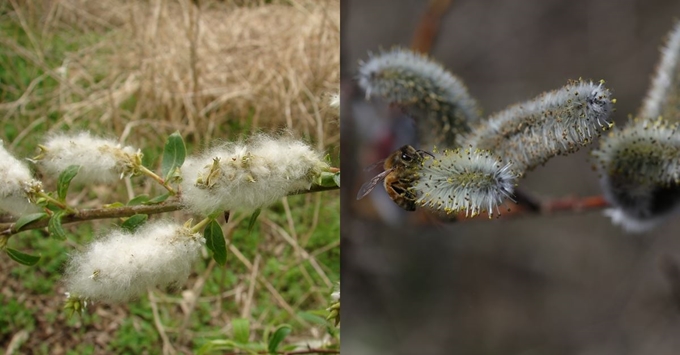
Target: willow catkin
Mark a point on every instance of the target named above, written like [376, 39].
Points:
[438, 101]
[464, 180]
[17, 185]
[663, 97]
[639, 165]
[250, 175]
[121, 266]
[640, 172]
[557, 122]
[101, 160]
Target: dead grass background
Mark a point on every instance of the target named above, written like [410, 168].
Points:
[200, 69]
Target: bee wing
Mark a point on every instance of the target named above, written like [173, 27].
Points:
[368, 186]
[375, 165]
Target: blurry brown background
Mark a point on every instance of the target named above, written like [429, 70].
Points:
[563, 284]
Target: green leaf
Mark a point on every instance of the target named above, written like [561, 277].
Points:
[221, 345]
[314, 318]
[22, 258]
[65, 180]
[131, 224]
[26, 219]
[138, 200]
[54, 225]
[158, 199]
[216, 345]
[253, 218]
[241, 329]
[281, 333]
[214, 240]
[173, 154]
[328, 179]
[336, 178]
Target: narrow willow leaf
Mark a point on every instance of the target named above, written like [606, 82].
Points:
[214, 240]
[336, 178]
[221, 345]
[22, 258]
[216, 345]
[65, 180]
[253, 219]
[131, 224]
[241, 328]
[138, 200]
[156, 200]
[173, 154]
[315, 318]
[54, 226]
[327, 179]
[279, 335]
[26, 219]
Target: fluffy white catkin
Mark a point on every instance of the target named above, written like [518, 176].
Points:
[101, 160]
[438, 101]
[121, 266]
[473, 181]
[557, 122]
[640, 173]
[663, 97]
[16, 185]
[247, 176]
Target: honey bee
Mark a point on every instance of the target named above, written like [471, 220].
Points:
[400, 174]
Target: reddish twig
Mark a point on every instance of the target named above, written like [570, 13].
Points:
[568, 204]
[428, 27]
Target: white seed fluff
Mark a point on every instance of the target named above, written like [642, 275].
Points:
[557, 122]
[467, 180]
[247, 176]
[438, 101]
[101, 160]
[664, 93]
[16, 181]
[121, 266]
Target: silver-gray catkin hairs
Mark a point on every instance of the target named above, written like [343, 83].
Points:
[437, 100]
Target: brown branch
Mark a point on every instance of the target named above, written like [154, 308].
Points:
[428, 27]
[9, 228]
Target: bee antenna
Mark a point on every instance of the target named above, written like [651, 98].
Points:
[425, 152]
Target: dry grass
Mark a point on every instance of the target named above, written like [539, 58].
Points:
[202, 70]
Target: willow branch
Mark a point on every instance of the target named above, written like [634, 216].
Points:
[429, 25]
[8, 228]
[557, 206]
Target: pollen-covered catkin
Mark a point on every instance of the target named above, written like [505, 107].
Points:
[247, 176]
[663, 97]
[640, 173]
[557, 122]
[438, 101]
[464, 180]
[16, 185]
[121, 266]
[101, 160]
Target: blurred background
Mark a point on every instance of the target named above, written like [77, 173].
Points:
[568, 283]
